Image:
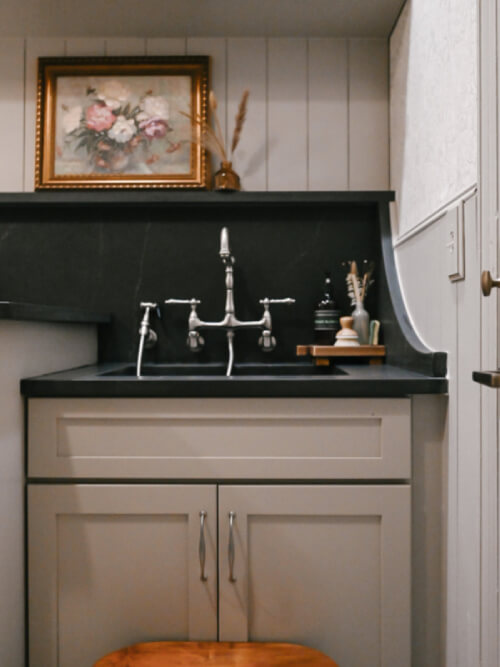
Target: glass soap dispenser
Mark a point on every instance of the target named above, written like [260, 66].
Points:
[326, 316]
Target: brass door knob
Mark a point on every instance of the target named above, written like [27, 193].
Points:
[487, 282]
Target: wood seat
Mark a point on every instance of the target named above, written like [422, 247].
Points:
[219, 654]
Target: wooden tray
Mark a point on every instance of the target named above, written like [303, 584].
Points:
[323, 353]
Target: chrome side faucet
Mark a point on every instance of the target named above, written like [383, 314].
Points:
[230, 322]
[147, 336]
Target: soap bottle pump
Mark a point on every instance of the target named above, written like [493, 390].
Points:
[326, 316]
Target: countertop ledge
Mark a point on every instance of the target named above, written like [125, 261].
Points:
[16, 310]
[358, 382]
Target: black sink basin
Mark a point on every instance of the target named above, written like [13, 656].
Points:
[219, 370]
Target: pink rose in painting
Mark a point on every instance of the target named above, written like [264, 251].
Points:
[99, 117]
[154, 128]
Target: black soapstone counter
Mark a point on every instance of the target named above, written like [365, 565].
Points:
[34, 312]
[359, 381]
[107, 251]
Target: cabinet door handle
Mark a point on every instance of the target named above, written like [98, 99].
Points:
[230, 551]
[202, 548]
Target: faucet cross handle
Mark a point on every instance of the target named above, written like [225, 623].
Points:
[267, 302]
[189, 302]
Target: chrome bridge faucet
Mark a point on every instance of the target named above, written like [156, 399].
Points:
[230, 322]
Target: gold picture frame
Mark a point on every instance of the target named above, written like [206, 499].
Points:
[121, 122]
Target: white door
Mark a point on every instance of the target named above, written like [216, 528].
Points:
[112, 565]
[324, 566]
[489, 375]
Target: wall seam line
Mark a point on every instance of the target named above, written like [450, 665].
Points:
[23, 170]
[348, 91]
[308, 146]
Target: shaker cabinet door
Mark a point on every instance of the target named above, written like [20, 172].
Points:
[326, 566]
[111, 565]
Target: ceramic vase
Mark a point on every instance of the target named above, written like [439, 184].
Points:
[361, 323]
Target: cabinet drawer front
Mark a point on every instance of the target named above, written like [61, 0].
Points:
[220, 438]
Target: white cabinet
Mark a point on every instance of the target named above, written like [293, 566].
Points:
[324, 564]
[236, 438]
[112, 565]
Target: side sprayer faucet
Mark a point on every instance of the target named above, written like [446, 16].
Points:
[147, 336]
[230, 322]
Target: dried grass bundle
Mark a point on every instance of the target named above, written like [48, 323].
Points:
[212, 138]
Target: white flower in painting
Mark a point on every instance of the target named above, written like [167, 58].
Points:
[71, 119]
[113, 93]
[155, 107]
[122, 130]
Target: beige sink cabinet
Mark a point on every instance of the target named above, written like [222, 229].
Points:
[317, 491]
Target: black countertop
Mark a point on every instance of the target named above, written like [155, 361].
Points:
[116, 381]
[15, 310]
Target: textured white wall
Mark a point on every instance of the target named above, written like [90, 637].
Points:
[433, 106]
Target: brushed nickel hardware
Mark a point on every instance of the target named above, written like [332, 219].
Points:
[488, 378]
[147, 336]
[488, 282]
[202, 548]
[230, 552]
[230, 322]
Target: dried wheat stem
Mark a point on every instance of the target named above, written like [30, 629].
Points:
[239, 120]
[213, 108]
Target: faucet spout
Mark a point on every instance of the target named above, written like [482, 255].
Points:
[224, 251]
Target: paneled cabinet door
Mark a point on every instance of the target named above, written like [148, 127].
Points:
[110, 565]
[326, 566]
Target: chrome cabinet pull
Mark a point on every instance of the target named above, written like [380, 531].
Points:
[202, 548]
[230, 553]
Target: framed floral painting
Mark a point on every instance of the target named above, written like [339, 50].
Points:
[121, 122]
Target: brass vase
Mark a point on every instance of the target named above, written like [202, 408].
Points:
[226, 179]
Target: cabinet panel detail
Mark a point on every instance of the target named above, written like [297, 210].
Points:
[184, 438]
[114, 565]
[323, 565]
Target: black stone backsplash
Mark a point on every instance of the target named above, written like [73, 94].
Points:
[110, 257]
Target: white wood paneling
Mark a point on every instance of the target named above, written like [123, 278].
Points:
[246, 68]
[368, 114]
[80, 46]
[35, 48]
[304, 129]
[125, 46]
[287, 114]
[328, 114]
[166, 46]
[11, 116]
[469, 447]
[215, 47]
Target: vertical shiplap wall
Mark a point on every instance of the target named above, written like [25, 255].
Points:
[318, 109]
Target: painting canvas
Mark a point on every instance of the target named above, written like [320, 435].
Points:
[115, 123]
